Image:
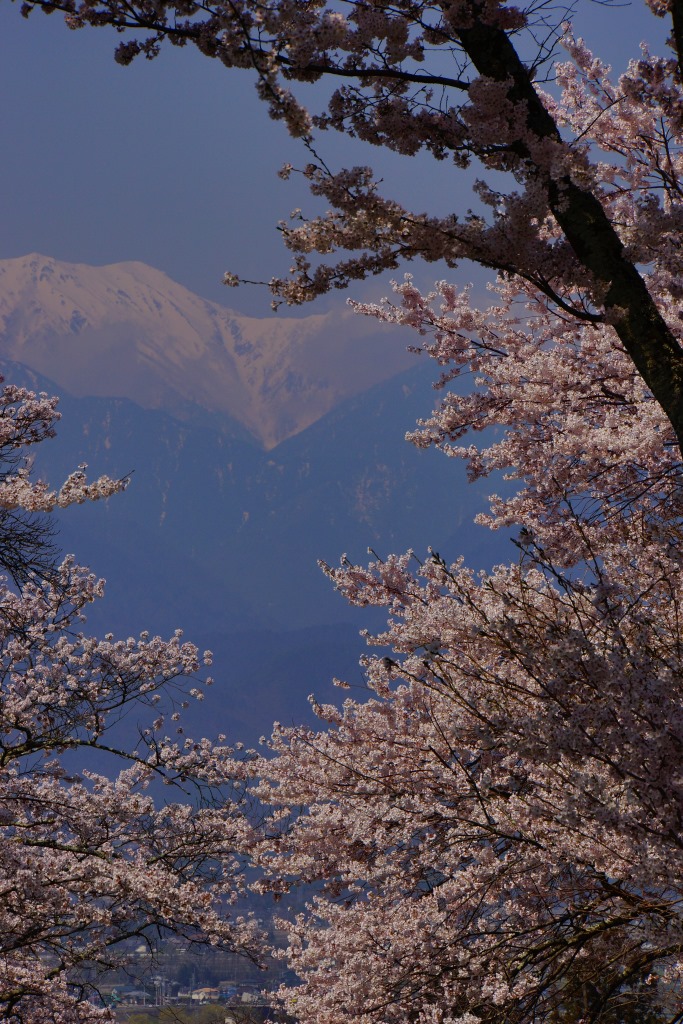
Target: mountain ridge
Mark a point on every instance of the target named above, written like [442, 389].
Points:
[127, 330]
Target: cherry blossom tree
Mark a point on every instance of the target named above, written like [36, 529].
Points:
[89, 861]
[494, 833]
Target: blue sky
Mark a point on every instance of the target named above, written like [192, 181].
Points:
[174, 162]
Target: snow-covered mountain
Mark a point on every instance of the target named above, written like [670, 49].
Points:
[129, 331]
[215, 534]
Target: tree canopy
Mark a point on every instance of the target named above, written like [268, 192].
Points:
[595, 171]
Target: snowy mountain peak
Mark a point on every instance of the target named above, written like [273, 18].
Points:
[127, 330]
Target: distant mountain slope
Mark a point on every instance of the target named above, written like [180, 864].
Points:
[254, 523]
[128, 331]
[222, 539]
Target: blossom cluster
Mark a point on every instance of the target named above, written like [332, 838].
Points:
[88, 860]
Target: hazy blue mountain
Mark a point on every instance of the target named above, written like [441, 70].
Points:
[221, 538]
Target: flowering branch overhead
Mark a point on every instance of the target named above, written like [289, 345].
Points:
[576, 223]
